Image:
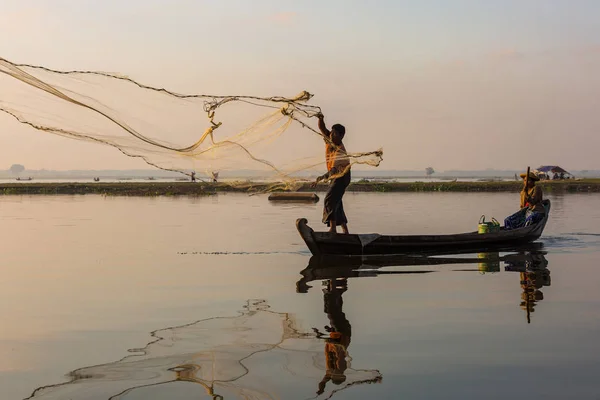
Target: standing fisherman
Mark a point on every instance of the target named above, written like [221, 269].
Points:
[338, 173]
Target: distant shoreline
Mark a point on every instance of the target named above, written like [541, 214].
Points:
[204, 189]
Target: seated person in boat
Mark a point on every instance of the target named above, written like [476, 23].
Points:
[338, 174]
[532, 210]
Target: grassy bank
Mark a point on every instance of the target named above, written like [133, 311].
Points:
[108, 189]
[203, 189]
[589, 185]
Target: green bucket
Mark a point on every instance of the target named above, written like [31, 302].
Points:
[492, 226]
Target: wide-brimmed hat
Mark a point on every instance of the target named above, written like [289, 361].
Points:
[532, 176]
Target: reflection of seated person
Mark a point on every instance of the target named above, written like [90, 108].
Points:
[532, 210]
[340, 331]
[534, 274]
[531, 283]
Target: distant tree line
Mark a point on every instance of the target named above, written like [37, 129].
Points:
[16, 169]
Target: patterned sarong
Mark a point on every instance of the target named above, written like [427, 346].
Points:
[523, 217]
[333, 207]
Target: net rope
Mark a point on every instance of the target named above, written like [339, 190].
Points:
[151, 123]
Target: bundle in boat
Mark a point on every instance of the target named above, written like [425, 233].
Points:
[294, 196]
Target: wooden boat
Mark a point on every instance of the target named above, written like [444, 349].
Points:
[325, 243]
[294, 196]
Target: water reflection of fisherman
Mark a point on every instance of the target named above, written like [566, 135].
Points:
[340, 332]
[534, 274]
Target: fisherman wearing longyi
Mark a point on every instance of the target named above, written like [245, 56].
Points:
[338, 173]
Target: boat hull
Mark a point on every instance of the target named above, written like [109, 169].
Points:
[325, 243]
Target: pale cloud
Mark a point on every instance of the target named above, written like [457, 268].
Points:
[591, 50]
[21, 21]
[507, 54]
[283, 17]
[451, 64]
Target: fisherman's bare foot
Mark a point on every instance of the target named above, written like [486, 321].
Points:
[345, 229]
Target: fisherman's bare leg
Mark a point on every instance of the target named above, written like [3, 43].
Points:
[345, 229]
[332, 227]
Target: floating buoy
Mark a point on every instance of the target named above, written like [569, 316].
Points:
[294, 196]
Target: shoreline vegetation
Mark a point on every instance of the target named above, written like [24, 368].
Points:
[203, 188]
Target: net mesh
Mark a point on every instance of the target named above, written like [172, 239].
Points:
[259, 354]
[169, 130]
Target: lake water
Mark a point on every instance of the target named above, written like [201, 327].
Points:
[210, 298]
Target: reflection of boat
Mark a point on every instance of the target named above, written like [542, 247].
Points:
[529, 260]
[321, 268]
[331, 267]
[325, 243]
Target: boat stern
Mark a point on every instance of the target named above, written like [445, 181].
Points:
[306, 232]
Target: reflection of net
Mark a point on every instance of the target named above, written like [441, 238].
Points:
[164, 128]
[260, 354]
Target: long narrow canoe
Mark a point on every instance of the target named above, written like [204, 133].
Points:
[325, 243]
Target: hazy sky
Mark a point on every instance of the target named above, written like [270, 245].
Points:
[454, 84]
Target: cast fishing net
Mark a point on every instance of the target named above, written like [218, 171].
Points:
[259, 354]
[168, 130]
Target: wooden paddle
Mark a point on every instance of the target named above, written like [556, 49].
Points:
[526, 188]
[527, 300]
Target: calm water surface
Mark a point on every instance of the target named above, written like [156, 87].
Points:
[211, 298]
